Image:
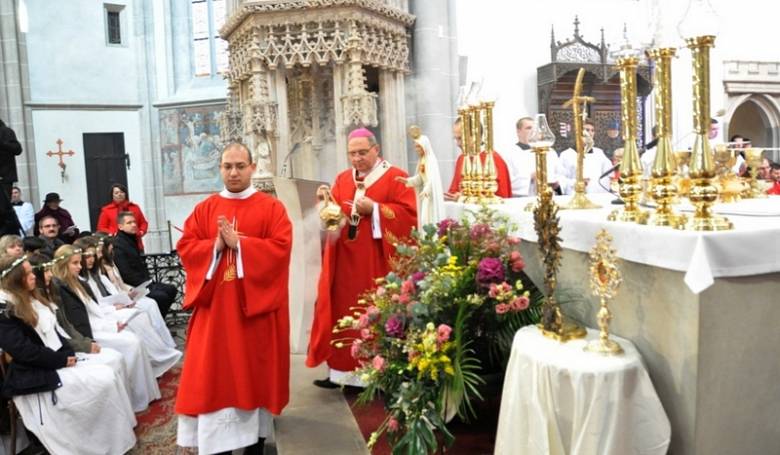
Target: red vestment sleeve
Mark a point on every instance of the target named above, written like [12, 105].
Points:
[195, 249]
[399, 216]
[266, 264]
[502, 177]
[455, 184]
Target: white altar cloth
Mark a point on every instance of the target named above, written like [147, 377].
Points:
[558, 399]
[752, 248]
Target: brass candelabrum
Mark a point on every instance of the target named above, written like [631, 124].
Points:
[702, 167]
[630, 168]
[478, 177]
[547, 226]
[578, 105]
[605, 278]
[662, 187]
[753, 158]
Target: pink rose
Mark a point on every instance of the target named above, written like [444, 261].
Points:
[365, 334]
[443, 333]
[502, 308]
[392, 425]
[512, 240]
[404, 298]
[493, 292]
[520, 303]
[380, 291]
[363, 321]
[354, 350]
[378, 363]
[372, 311]
[407, 287]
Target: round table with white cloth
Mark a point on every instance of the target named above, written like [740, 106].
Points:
[559, 399]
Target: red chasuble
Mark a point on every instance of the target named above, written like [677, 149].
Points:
[502, 175]
[349, 267]
[238, 342]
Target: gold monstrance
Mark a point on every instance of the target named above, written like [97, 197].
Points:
[630, 167]
[579, 109]
[547, 226]
[605, 278]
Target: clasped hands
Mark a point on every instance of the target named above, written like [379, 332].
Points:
[226, 235]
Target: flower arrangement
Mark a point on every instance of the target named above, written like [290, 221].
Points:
[444, 315]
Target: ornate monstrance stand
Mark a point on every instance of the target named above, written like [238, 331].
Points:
[605, 278]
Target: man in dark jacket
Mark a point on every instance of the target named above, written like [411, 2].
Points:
[51, 207]
[10, 148]
[131, 264]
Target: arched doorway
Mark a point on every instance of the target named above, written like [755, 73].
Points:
[751, 120]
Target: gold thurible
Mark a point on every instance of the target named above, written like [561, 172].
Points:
[630, 167]
[702, 166]
[476, 161]
[578, 104]
[662, 188]
[490, 185]
[465, 143]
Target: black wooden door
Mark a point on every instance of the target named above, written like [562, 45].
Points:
[106, 164]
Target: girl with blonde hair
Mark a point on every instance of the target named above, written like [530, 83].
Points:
[72, 407]
[88, 318]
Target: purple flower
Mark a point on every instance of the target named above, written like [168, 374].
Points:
[445, 225]
[417, 277]
[395, 326]
[490, 270]
[479, 230]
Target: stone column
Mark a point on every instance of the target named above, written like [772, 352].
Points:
[14, 93]
[391, 90]
[338, 108]
[435, 79]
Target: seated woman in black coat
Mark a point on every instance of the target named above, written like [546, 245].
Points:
[71, 407]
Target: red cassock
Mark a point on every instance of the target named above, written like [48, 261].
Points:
[349, 267]
[775, 189]
[238, 339]
[502, 175]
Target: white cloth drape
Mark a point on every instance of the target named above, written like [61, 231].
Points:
[560, 400]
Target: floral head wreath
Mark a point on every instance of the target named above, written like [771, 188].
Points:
[43, 265]
[13, 265]
[66, 256]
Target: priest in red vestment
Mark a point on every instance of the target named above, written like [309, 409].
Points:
[236, 251]
[502, 171]
[377, 211]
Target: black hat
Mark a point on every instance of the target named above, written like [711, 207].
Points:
[52, 197]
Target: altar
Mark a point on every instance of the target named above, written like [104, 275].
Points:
[700, 307]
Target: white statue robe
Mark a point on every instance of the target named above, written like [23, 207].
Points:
[594, 165]
[427, 185]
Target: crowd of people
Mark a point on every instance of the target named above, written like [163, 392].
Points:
[82, 325]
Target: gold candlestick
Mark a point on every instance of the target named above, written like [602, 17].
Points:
[477, 175]
[465, 170]
[578, 105]
[490, 174]
[605, 278]
[547, 226]
[663, 189]
[702, 167]
[630, 167]
[753, 158]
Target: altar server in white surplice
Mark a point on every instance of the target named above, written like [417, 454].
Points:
[595, 166]
[427, 184]
[76, 406]
[521, 163]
